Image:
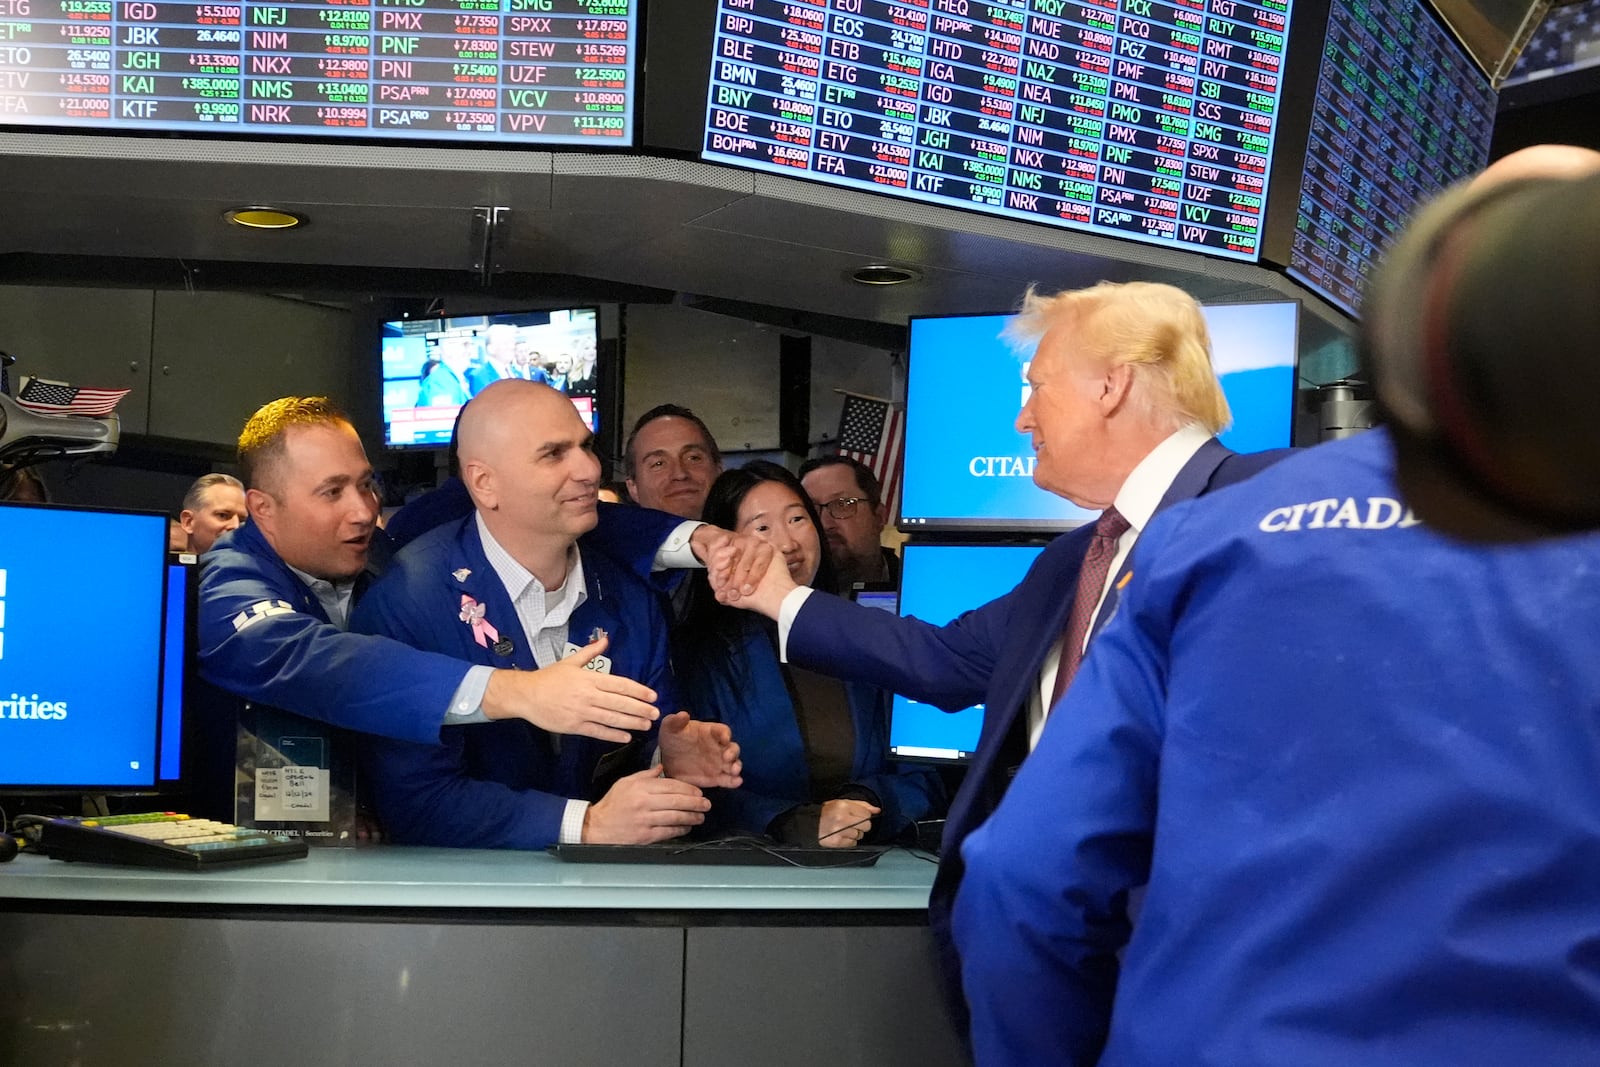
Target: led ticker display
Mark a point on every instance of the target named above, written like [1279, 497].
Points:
[1400, 114]
[525, 71]
[1146, 119]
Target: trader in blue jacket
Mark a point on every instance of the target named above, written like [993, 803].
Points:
[1122, 410]
[276, 596]
[1356, 761]
[514, 586]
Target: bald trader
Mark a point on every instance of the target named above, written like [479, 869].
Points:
[516, 585]
[276, 595]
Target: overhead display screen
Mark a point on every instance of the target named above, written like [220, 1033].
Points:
[1400, 114]
[516, 71]
[1143, 119]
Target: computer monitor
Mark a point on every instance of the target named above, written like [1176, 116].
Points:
[82, 600]
[937, 583]
[178, 654]
[968, 469]
[433, 366]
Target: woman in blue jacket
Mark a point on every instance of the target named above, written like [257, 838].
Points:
[815, 749]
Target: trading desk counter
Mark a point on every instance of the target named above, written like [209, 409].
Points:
[395, 956]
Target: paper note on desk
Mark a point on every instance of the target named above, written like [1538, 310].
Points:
[299, 794]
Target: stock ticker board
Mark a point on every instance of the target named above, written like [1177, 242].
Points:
[1400, 113]
[520, 71]
[1144, 119]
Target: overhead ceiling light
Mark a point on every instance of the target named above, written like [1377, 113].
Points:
[264, 218]
[884, 274]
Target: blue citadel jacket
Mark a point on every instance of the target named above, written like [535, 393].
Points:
[265, 637]
[1358, 765]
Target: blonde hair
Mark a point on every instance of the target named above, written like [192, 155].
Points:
[261, 442]
[1156, 329]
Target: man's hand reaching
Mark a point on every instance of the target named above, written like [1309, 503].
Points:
[701, 753]
[570, 697]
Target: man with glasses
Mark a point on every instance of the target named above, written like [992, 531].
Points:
[848, 498]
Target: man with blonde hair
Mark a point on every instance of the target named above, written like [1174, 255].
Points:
[1123, 408]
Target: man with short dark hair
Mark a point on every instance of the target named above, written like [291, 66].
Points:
[848, 498]
[213, 505]
[670, 461]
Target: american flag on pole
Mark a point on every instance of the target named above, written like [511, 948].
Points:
[46, 397]
[873, 431]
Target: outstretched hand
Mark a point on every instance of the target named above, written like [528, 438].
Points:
[573, 697]
[701, 753]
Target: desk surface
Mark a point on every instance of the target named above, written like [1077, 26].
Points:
[400, 877]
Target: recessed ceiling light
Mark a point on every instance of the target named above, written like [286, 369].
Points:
[884, 274]
[264, 218]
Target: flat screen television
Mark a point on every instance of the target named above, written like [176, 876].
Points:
[433, 366]
[961, 374]
[82, 627]
[1153, 122]
[937, 583]
[520, 72]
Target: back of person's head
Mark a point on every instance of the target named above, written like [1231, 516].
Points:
[262, 441]
[1476, 333]
[1157, 330]
[661, 411]
[865, 479]
[195, 498]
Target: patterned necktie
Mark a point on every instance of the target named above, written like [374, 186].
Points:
[1091, 580]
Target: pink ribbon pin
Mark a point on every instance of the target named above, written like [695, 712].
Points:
[472, 615]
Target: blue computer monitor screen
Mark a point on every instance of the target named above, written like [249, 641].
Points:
[81, 601]
[968, 468]
[938, 583]
[175, 626]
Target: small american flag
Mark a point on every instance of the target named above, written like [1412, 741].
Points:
[874, 432]
[58, 398]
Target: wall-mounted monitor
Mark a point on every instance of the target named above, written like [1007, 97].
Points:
[77, 586]
[1399, 112]
[937, 583]
[515, 72]
[1145, 119]
[967, 467]
[433, 366]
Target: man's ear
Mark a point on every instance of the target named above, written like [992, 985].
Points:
[262, 506]
[479, 479]
[881, 513]
[1115, 387]
[186, 520]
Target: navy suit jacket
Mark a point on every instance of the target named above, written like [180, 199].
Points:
[991, 655]
[501, 784]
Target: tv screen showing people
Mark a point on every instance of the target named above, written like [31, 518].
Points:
[433, 366]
